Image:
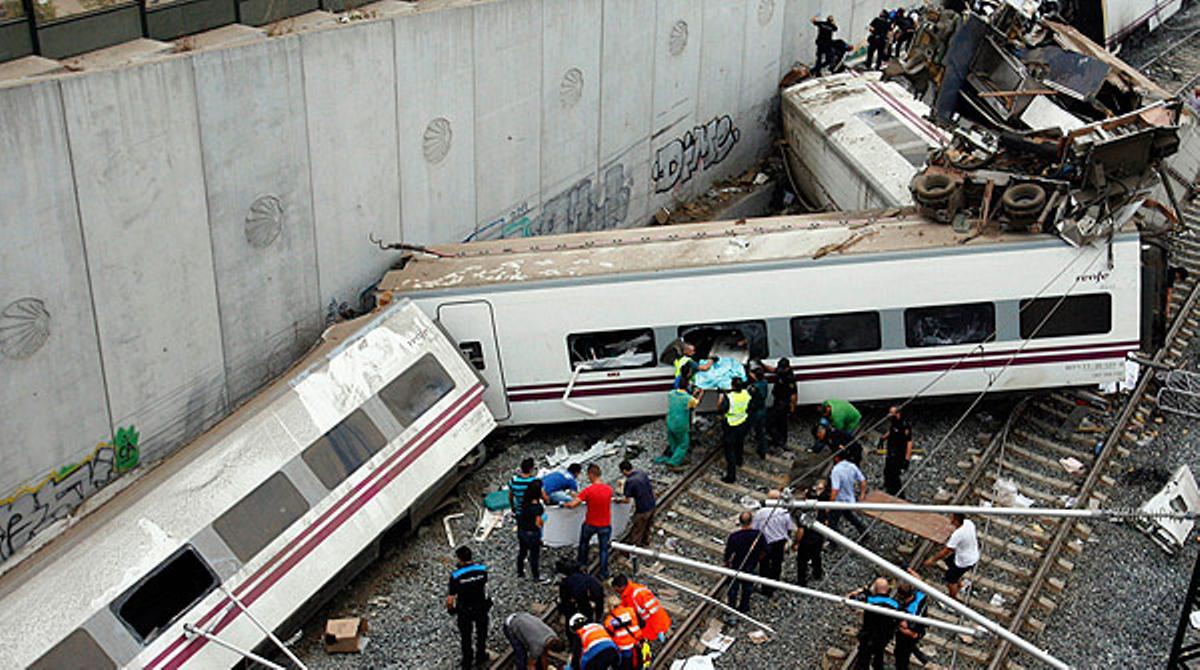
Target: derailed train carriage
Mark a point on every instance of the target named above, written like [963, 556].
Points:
[865, 306]
[283, 499]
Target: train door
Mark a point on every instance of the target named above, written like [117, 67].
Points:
[474, 330]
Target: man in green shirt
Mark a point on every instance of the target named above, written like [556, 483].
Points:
[679, 423]
[841, 414]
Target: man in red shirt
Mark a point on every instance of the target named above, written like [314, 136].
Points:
[598, 520]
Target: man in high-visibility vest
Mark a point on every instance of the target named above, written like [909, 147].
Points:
[652, 616]
[621, 622]
[736, 406]
[686, 363]
[591, 647]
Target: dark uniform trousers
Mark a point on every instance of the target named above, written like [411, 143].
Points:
[734, 441]
[891, 475]
[473, 620]
[905, 646]
[772, 566]
[808, 554]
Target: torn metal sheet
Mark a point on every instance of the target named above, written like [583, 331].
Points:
[1068, 72]
[1043, 114]
[1180, 494]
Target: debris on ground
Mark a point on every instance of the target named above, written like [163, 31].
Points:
[345, 636]
[1049, 132]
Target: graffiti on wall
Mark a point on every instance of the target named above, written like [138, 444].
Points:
[696, 150]
[582, 207]
[31, 509]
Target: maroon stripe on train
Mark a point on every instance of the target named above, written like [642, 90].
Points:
[435, 429]
[628, 389]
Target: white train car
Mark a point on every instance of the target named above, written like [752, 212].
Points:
[270, 505]
[574, 327]
[1110, 22]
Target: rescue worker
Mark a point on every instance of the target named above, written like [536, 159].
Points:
[598, 520]
[679, 423]
[468, 601]
[877, 629]
[841, 414]
[899, 442]
[877, 40]
[621, 622]
[783, 402]
[906, 29]
[777, 526]
[825, 31]
[638, 489]
[963, 544]
[686, 366]
[809, 542]
[909, 633]
[744, 549]
[846, 484]
[559, 486]
[837, 440]
[652, 616]
[736, 406]
[579, 592]
[759, 390]
[591, 647]
[531, 640]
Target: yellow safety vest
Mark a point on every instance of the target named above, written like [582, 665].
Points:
[739, 404]
[680, 362]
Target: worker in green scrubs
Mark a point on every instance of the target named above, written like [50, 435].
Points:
[679, 421]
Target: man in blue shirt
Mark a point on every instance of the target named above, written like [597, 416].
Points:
[558, 486]
[847, 484]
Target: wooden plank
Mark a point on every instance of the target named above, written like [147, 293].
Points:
[933, 527]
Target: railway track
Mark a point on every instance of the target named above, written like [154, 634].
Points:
[1175, 67]
[1025, 566]
[695, 514]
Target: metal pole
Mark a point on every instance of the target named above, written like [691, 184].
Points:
[810, 505]
[31, 17]
[189, 628]
[946, 600]
[278, 643]
[784, 586]
[713, 601]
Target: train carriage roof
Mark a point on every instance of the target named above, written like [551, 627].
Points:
[678, 247]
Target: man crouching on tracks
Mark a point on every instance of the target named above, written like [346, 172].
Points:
[964, 545]
[877, 629]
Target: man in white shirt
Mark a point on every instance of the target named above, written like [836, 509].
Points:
[847, 484]
[777, 526]
[964, 545]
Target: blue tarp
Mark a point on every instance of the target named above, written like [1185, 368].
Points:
[720, 375]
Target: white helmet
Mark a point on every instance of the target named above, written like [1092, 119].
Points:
[576, 621]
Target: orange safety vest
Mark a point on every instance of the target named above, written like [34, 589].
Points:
[622, 624]
[653, 617]
[590, 635]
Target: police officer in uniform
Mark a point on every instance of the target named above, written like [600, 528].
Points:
[877, 629]
[899, 442]
[468, 600]
[736, 406]
[909, 633]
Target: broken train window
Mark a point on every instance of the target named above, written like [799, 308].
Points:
[612, 349]
[835, 333]
[945, 325]
[165, 594]
[739, 340]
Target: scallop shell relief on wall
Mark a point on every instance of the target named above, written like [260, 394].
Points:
[264, 221]
[24, 328]
[435, 143]
[679, 38]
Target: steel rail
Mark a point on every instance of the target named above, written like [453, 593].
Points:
[1098, 466]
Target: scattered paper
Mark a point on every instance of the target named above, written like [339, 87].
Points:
[718, 642]
[1194, 618]
[693, 663]
[997, 600]
[1071, 464]
[758, 636]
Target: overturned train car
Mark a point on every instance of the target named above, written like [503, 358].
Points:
[865, 306]
[283, 499]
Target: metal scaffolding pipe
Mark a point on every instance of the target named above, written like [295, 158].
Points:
[713, 601]
[937, 595]
[263, 629]
[249, 655]
[812, 505]
[784, 586]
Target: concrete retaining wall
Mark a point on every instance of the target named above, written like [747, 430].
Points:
[174, 234]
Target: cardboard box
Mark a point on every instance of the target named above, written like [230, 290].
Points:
[345, 636]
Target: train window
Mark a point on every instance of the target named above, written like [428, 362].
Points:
[165, 594]
[945, 325]
[417, 389]
[728, 338]
[77, 651]
[261, 516]
[612, 349]
[835, 333]
[1075, 315]
[473, 352]
[343, 449]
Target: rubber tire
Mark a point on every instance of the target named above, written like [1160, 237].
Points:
[1024, 199]
[933, 188]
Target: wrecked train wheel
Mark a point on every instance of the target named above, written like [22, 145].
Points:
[932, 190]
[1023, 199]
